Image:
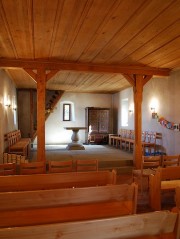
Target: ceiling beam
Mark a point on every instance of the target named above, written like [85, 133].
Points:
[83, 67]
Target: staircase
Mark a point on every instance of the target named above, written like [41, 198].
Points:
[52, 98]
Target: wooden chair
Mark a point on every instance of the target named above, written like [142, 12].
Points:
[86, 165]
[33, 168]
[7, 169]
[60, 166]
[149, 166]
[150, 140]
[170, 160]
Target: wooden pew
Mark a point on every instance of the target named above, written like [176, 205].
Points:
[32, 168]
[60, 166]
[56, 180]
[7, 169]
[113, 139]
[17, 144]
[165, 179]
[70, 204]
[85, 165]
[177, 197]
[152, 225]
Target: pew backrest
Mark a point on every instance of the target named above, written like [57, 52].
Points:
[56, 180]
[177, 197]
[62, 205]
[61, 197]
[60, 166]
[170, 173]
[7, 169]
[152, 225]
[86, 165]
[32, 168]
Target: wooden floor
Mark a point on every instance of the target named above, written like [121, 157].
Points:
[109, 157]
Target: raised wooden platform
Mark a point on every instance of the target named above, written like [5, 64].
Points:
[108, 157]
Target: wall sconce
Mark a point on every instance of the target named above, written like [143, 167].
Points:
[130, 111]
[154, 114]
[14, 107]
[7, 101]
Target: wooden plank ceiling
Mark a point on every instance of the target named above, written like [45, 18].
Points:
[125, 32]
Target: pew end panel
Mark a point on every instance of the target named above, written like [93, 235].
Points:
[165, 179]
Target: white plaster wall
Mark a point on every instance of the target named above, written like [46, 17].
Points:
[54, 128]
[166, 92]
[117, 98]
[7, 114]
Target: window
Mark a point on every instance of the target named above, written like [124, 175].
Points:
[66, 112]
[124, 112]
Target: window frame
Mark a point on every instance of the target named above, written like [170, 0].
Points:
[66, 115]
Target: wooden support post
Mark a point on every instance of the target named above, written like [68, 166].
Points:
[138, 81]
[31, 114]
[41, 87]
[41, 78]
[138, 91]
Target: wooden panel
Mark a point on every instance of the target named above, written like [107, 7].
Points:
[63, 197]
[18, 20]
[22, 79]
[156, 33]
[110, 27]
[68, 213]
[91, 16]
[44, 17]
[130, 29]
[94, 120]
[7, 49]
[56, 180]
[104, 121]
[143, 226]
[131, 32]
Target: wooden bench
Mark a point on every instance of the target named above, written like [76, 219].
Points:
[17, 144]
[152, 225]
[60, 166]
[56, 180]
[86, 165]
[14, 158]
[70, 204]
[32, 168]
[177, 197]
[7, 169]
[125, 140]
[165, 179]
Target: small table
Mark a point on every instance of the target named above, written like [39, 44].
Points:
[75, 144]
